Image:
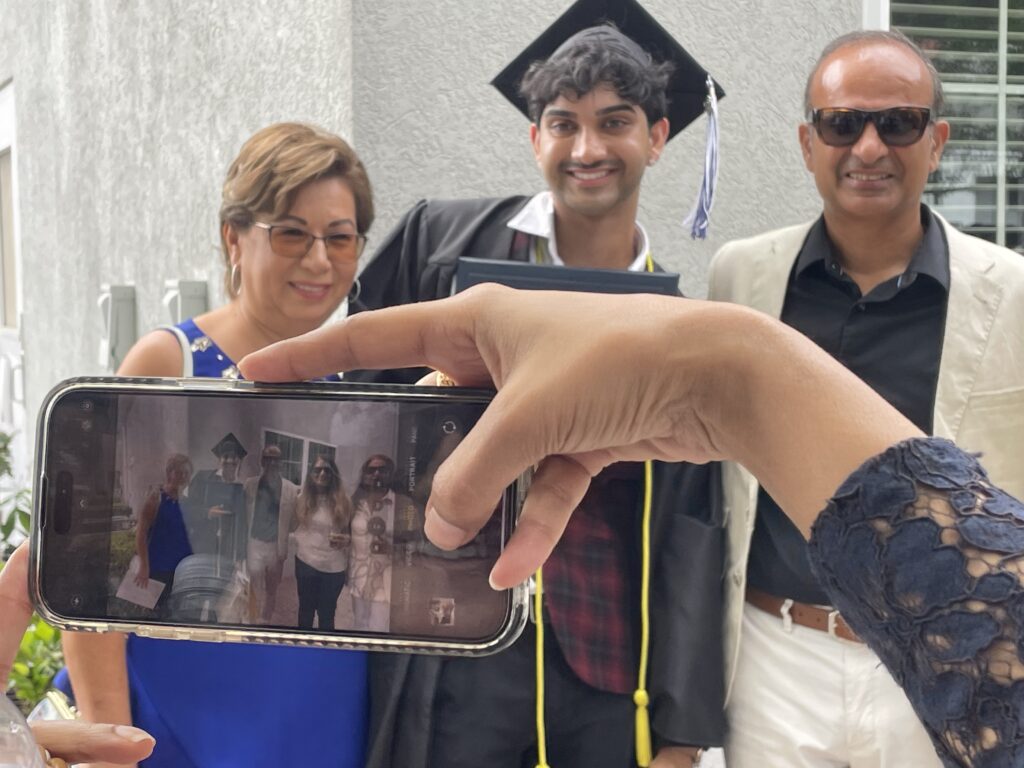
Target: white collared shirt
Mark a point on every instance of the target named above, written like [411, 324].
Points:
[537, 218]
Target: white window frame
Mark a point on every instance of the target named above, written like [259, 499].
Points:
[8, 143]
[12, 389]
[308, 451]
[875, 14]
[1000, 90]
[306, 441]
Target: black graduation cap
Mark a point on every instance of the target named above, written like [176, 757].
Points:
[635, 32]
[229, 443]
[691, 90]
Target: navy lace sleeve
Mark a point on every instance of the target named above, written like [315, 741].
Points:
[924, 558]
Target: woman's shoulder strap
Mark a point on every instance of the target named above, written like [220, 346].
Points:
[186, 347]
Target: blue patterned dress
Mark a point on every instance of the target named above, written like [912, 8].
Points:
[225, 705]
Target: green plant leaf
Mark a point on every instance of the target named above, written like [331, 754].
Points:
[45, 632]
[39, 653]
[25, 647]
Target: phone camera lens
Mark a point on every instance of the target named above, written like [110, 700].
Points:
[449, 427]
[86, 405]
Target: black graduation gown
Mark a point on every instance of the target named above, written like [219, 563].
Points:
[417, 262]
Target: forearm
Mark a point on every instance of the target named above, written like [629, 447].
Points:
[146, 519]
[921, 555]
[142, 552]
[99, 675]
[788, 412]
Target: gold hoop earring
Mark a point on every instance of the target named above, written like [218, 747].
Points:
[236, 280]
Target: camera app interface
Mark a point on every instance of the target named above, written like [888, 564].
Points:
[250, 511]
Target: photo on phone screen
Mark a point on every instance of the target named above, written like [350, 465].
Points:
[259, 510]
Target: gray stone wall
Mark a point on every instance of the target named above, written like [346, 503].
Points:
[129, 113]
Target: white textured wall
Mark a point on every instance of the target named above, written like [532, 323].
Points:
[129, 112]
[128, 115]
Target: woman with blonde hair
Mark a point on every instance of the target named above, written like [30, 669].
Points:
[296, 207]
[323, 517]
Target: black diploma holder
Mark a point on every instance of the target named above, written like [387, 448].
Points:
[548, 277]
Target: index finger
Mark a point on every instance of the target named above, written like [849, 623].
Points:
[386, 338]
[15, 609]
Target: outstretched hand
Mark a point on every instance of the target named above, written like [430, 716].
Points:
[568, 402]
[73, 742]
[584, 380]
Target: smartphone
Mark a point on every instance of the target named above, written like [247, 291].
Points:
[218, 510]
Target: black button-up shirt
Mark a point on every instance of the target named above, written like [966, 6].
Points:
[891, 338]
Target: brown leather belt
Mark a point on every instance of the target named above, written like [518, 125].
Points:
[803, 614]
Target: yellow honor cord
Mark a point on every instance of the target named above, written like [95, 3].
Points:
[538, 604]
[644, 751]
[640, 698]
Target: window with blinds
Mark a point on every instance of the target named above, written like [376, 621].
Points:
[297, 453]
[293, 450]
[978, 48]
[316, 450]
[9, 314]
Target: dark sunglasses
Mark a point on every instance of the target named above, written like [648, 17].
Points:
[896, 127]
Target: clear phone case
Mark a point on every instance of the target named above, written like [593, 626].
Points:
[17, 747]
[56, 443]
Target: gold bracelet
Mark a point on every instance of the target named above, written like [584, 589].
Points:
[442, 379]
[51, 761]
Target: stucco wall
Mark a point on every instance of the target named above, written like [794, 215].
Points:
[128, 115]
[129, 112]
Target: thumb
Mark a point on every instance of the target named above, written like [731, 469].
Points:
[15, 609]
[557, 488]
[77, 741]
[470, 482]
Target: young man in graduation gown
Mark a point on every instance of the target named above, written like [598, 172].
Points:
[602, 109]
[216, 503]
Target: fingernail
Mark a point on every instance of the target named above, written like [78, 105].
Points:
[134, 735]
[441, 532]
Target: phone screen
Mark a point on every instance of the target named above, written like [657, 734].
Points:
[260, 510]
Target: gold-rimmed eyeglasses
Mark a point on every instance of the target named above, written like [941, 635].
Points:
[293, 242]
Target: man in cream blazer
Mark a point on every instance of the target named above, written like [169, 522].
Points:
[269, 506]
[803, 692]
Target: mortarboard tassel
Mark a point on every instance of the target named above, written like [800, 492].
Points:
[697, 220]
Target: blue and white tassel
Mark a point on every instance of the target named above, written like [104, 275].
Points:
[699, 216]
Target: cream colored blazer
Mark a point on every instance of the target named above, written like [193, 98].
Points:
[979, 401]
[289, 496]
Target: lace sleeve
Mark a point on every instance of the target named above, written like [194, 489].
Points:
[924, 558]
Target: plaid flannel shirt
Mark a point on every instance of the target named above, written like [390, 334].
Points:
[591, 582]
